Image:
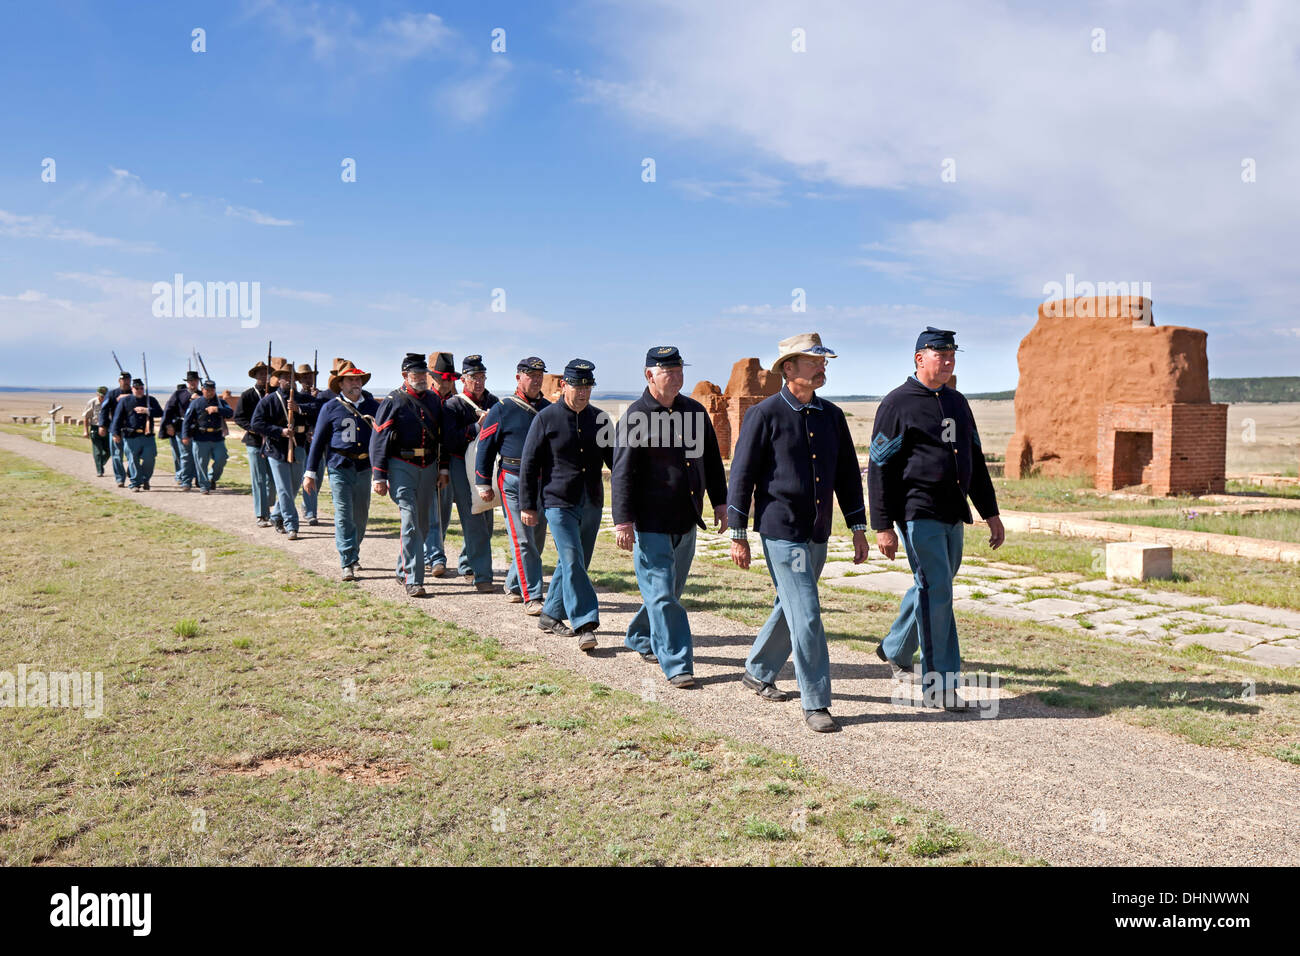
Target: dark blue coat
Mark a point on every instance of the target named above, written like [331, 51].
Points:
[655, 484]
[244, 414]
[202, 426]
[109, 405]
[564, 455]
[174, 410]
[788, 460]
[503, 433]
[466, 420]
[408, 422]
[342, 437]
[127, 422]
[271, 416]
[926, 458]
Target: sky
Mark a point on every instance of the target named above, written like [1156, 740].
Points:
[899, 164]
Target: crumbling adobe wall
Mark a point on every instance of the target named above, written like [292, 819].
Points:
[1084, 354]
[748, 385]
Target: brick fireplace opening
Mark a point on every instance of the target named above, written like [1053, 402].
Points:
[1132, 459]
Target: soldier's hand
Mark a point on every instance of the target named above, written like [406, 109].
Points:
[141, 409]
[185, 441]
[286, 432]
[997, 533]
[720, 519]
[293, 406]
[309, 485]
[860, 547]
[103, 432]
[625, 536]
[485, 493]
[887, 542]
[381, 487]
[740, 553]
[211, 408]
[444, 479]
[118, 439]
[171, 430]
[529, 518]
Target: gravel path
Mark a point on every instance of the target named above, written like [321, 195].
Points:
[1063, 786]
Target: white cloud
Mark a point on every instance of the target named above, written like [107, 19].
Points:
[315, 298]
[471, 98]
[336, 31]
[44, 227]
[751, 188]
[254, 215]
[1123, 165]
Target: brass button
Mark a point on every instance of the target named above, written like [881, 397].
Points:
[817, 479]
[814, 454]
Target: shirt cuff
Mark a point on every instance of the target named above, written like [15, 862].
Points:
[738, 534]
[855, 528]
[309, 474]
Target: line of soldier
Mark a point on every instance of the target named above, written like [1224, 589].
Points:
[543, 462]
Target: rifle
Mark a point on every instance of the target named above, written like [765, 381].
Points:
[199, 355]
[120, 370]
[315, 372]
[289, 407]
[268, 366]
[148, 412]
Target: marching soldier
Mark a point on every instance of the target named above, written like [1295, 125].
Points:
[325, 394]
[925, 459]
[106, 412]
[271, 420]
[567, 446]
[443, 379]
[503, 432]
[342, 441]
[306, 384]
[658, 489]
[173, 421]
[794, 450]
[203, 436]
[409, 459]
[90, 428]
[259, 472]
[467, 411]
[133, 432]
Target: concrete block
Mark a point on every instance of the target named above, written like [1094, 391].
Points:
[1136, 561]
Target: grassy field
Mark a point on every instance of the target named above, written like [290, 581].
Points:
[1273, 526]
[259, 714]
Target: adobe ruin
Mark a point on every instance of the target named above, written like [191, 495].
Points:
[748, 385]
[1105, 392]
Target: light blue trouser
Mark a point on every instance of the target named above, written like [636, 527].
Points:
[925, 618]
[141, 453]
[571, 595]
[351, 490]
[660, 625]
[438, 506]
[287, 480]
[259, 473]
[795, 622]
[115, 456]
[475, 529]
[182, 463]
[204, 452]
[412, 489]
[526, 543]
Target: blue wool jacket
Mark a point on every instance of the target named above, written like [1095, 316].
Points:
[398, 431]
[127, 422]
[503, 433]
[466, 420]
[342, 437]
[199, 425]
[270, 417]
[564, 455]
[789, 459]
[926, 458]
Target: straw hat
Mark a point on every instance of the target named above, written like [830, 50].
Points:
[806, 343]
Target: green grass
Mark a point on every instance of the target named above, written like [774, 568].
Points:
[1270, 525]
[351, 731]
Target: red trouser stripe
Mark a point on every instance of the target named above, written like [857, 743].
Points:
[514, 536]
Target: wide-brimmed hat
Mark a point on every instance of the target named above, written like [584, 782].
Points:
[337, 364]
[805, 343]
[346, 370]
[259, 367]
[305, 369]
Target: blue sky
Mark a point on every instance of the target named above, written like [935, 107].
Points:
[522, 171]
